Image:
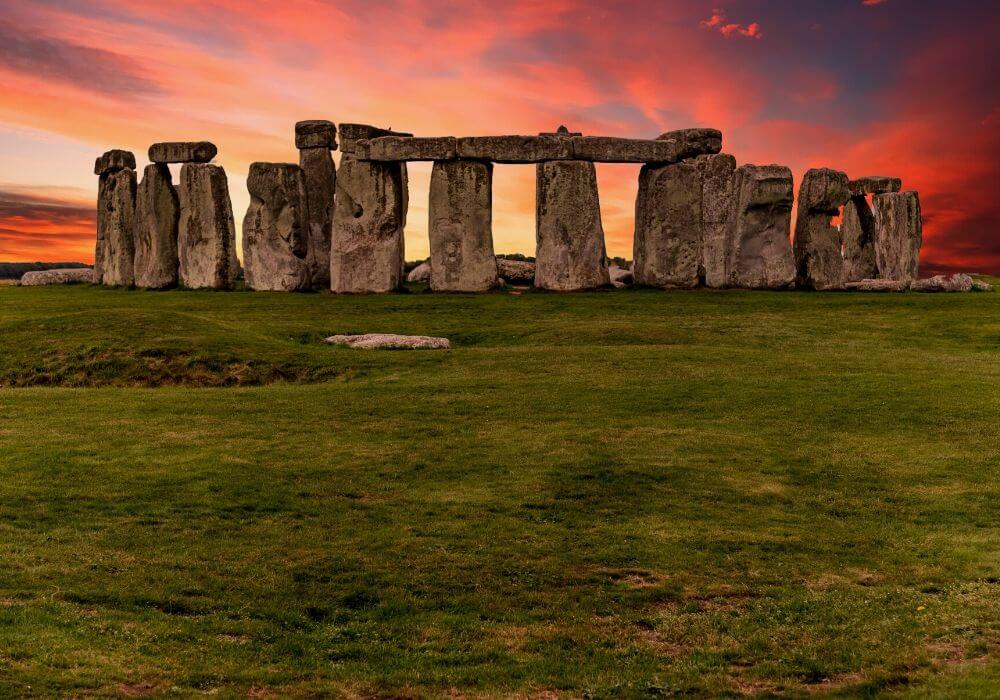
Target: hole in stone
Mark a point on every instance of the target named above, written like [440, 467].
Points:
[514, 210]
[416, 242]
[618, 185]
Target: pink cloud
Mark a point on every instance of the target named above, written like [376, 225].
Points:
[729, 29]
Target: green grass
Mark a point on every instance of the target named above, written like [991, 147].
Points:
[612, 494]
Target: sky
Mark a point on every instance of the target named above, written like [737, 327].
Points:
[909, 88]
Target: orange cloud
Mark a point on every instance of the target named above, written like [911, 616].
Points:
[728, 29]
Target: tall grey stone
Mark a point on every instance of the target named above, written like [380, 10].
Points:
[898, 235]
[858, 233]
[757, 233]
[667, 247]
[157, 212]
[818, 258]
[276, 229]
[461, 226]
[570, 253]
[718, 178]
[206, 236]
[369, 214]
[114, 255]
[321, 184]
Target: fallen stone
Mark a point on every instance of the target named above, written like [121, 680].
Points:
[516, 271]
[760, 251]
[570, 253]
[718, 178]
[461, 227]
[874, 184]
[352, 134]
[818, 256]
[276, 229]
[369, 215]
[70, 275]
[113, 161]
[206, 234]
[877, 285]
[114, 257]
[157, 213]
[421, 273]
[857, 230]
[393, 148]
[620, 277]
[321, 185]
[390, 341]
[516, 149]
[183, 152]
[898, 235]
[667, 246]
[943, 283]
[981, 286]
[316, 133]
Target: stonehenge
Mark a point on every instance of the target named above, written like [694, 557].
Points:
[700, 220]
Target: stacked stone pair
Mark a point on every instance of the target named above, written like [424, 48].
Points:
[114, 254]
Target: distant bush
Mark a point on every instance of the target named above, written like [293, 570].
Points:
[14, 270]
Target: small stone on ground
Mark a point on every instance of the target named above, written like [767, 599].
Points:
[390, 341]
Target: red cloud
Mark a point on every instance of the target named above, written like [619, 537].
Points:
[728, 29]
[873, 2]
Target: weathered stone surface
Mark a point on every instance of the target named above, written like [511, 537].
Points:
[694, 142]
[461, 226]
[114, 256]
[68, 275]
[421, 273]
[667, 247]
[874, 184]
[620, 277]
[206, 235]
[369, 215]
[857, 230]
[316, 133]
[757, 234]
[877, 285]
[943, 283]
[570, 252]
[390, 341]
[718, 180]
[392, 148]
[276, 229]
[898, 235]
[981, 286]
[114, 160]
[352, 134]
[157, 213]
[321, 185]
[818, 257]
[516, 272]
[182, 152]
[515, 149]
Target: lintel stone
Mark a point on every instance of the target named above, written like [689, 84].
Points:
[875, 184]
[515, 149]
[182, 152]
[113, 161]
[351, 134]
[315, 133]
[399, 148]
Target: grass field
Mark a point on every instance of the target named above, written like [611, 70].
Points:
[614, 494]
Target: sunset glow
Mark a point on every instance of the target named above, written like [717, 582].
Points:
[892, 87]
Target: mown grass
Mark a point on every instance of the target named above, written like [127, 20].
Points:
[613, 494]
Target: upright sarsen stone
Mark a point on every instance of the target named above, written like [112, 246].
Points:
[114, 255]
[276, 229]
[858, 233]
[718, 179]
[667, 246]
[570, 253]
[321, 184]
[157, 212]
[757, 234]
[461, 226]
[898, 235]
[206, 238]
[818, 256]
[366, 254]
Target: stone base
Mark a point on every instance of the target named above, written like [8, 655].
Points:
[818, 257]
[321, 184]
[206, 237]
[461, 227]
[114, 256]
[668, 226]
[157, 212]
[898, 235]
[276, 229]
[760, 250]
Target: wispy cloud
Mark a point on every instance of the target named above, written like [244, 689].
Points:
[719, 23]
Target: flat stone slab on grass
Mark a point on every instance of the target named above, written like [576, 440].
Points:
[66, 275]
[390, 341]
[877, 285]
[943, 283]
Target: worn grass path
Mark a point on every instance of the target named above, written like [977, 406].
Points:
[620, 493]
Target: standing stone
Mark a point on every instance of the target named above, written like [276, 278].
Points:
[718, 178]
[818, 256]
[276, 229]
[157, 210]
[114, 256]
[461, 226]
[858, 234]
[321, 185]
[757, 234]
[668, 226]
[206, 239]
[570, 253]
[898, 235]
[369, 214]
